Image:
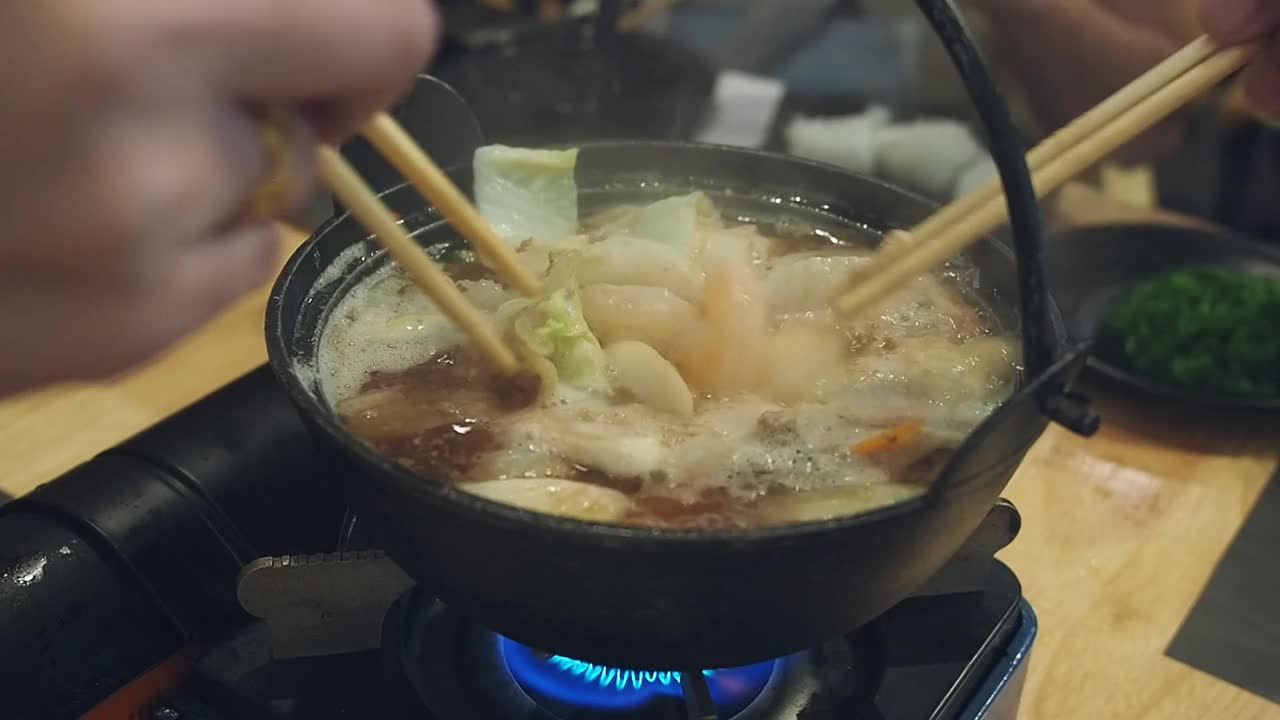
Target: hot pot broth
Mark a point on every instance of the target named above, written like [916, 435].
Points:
[688, 370]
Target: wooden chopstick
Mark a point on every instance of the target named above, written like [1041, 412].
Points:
[363, 204]
[399, 148]
[943, 241]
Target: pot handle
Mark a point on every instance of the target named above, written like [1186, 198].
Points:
[1043, 340]
[1040, 340]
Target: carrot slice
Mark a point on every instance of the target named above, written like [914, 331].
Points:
[891, 439]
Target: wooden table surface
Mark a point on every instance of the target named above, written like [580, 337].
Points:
[1120, 532]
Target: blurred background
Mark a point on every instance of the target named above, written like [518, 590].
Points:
[861, 83]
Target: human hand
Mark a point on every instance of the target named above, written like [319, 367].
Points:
[130, 155]
[1237, 21]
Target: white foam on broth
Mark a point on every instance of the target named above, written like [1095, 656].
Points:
[773, 452]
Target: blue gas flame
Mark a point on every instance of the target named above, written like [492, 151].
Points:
[620, 679]
[581, 684]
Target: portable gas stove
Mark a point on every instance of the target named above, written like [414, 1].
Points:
[349, 635]
[956, 655]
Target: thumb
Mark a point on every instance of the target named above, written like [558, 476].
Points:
[1236, 21]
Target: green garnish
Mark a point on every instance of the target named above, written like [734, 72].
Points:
[1208, 329]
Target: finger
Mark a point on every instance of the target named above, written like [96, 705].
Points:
[148, 181]
[197, 282]
[212, 274]
[1235, 21]
[1262, 82]
[182, 178]
[200, 283]
[180, 175]
[52, 323]
[344, 59]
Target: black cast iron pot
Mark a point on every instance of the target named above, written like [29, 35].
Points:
[648, 598]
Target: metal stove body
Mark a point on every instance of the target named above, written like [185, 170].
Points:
[491, 677]
[349, 635]
[931, 658]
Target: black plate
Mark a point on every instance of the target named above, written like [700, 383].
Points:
[1091, 268]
